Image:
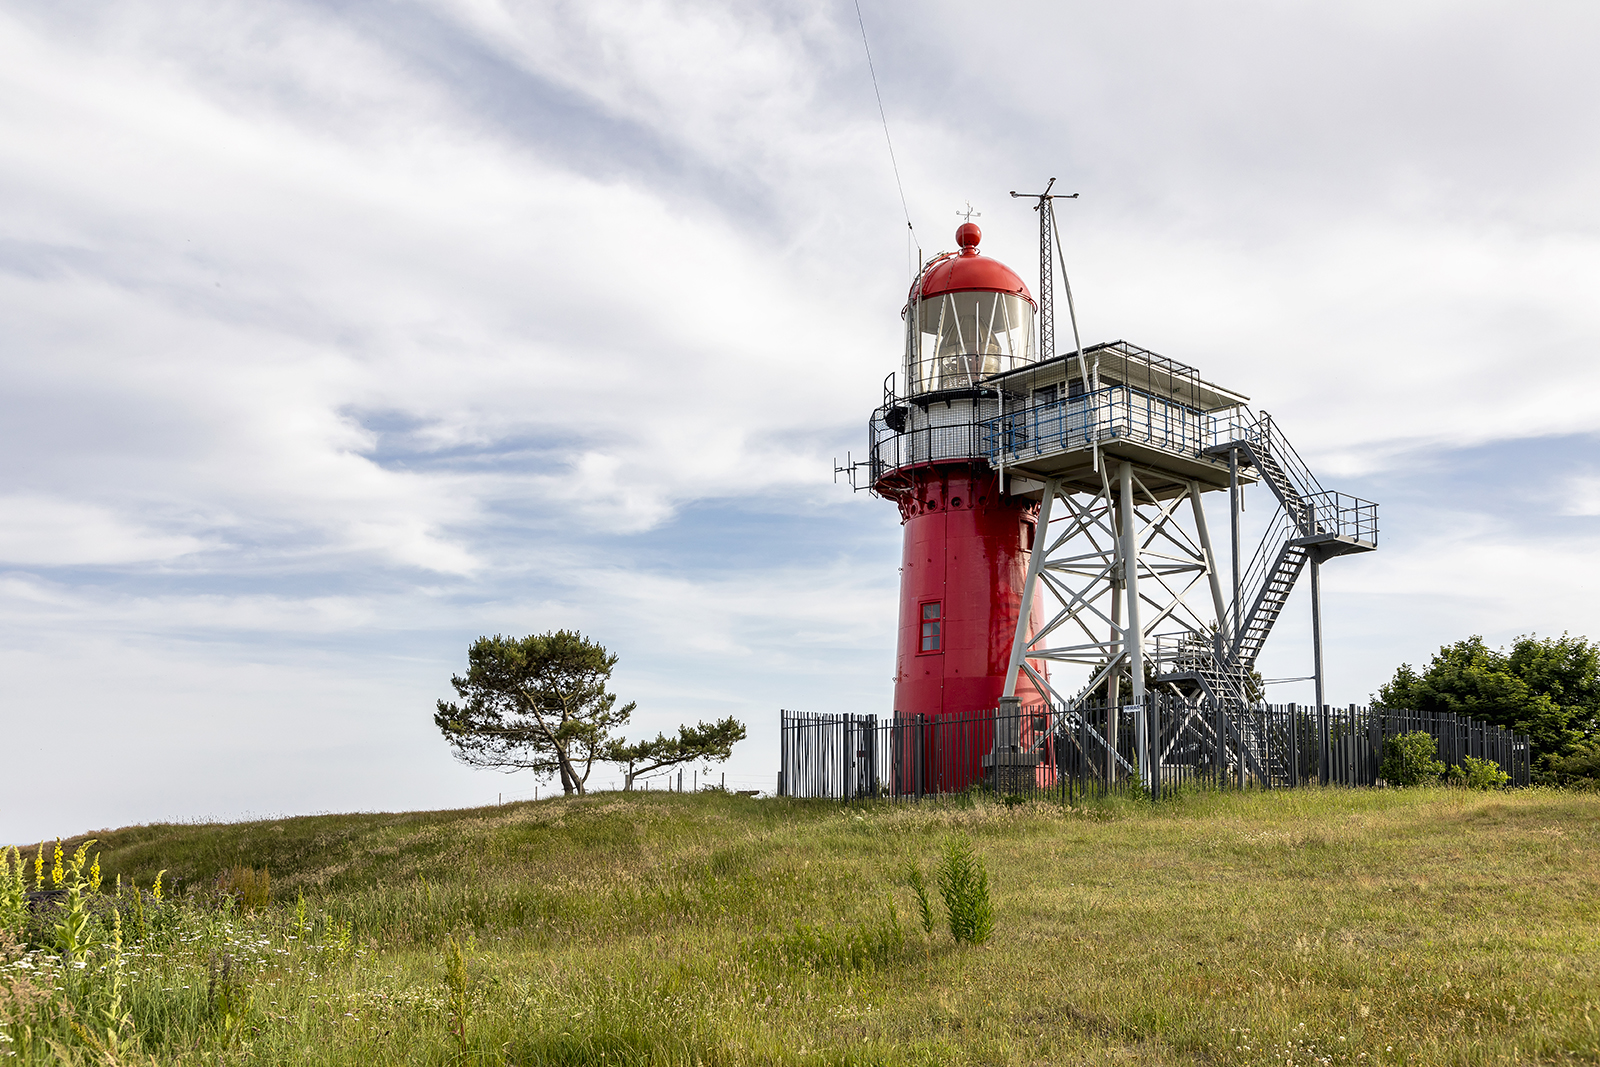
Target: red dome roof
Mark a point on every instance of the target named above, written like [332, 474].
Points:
[966, 270]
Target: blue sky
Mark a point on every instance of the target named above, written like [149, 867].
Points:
[339, 334]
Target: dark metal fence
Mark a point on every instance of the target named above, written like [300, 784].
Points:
[1033, 751]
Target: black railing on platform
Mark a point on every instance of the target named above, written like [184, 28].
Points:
[1032, 751]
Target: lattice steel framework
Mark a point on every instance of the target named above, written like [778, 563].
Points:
[1123, 567]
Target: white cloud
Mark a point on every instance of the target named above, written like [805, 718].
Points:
[55, 533]
[1580, 496]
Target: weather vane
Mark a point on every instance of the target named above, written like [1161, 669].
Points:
[969, 214]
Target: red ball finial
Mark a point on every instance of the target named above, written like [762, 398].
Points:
[967, 236]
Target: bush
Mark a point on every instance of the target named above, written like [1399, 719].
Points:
[1581, 768]
[964, 884]
[1410, 759]
[1474, 773]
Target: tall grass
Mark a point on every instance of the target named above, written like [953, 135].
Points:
[1318, 926]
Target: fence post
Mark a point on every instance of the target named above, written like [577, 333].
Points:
[1323, 769]
[916, 754]
[1152, 732]
[847, 757]
[1374, 747]
[1220, 729]
[1244, 713]
[1293, 714]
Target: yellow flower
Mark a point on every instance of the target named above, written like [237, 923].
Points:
[38, 868]
[56, 873]
[94, 874]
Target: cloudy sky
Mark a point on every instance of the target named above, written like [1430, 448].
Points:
[335, 335]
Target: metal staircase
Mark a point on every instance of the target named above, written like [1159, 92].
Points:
[1313, 520]
[1267, 604]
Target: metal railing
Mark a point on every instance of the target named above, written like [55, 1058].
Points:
[1345, 515]
[1262, 434]
[890, 449]
[1116, 413]
[1280, 532]
[1090, 751]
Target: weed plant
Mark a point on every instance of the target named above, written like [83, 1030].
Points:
[919, 888]
[964, 884]
[1313, 926]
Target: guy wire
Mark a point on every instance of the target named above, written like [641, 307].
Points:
[883, 116]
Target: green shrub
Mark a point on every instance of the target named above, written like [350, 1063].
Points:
[1581, 768]
[1474, 773]
[964, 884]
[1410, 759]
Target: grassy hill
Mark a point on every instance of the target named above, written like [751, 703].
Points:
[1314, 926]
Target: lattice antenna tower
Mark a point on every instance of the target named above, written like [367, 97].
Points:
[1045, 206]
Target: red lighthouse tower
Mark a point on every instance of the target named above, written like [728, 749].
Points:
[967, 541]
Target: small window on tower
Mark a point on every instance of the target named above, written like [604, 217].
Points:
[930, 626]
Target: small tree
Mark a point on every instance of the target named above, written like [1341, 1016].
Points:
[534, 703]
[711, 742]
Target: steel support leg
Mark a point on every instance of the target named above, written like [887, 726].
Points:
[1233, 514]
[1211, 562]
[1114, 676]
[1041, 548]
[1133, 635]
[1316, 625]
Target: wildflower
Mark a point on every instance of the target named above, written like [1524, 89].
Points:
[57, 874]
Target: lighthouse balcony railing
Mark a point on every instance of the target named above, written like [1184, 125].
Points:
[892, 449]
[1115, 413]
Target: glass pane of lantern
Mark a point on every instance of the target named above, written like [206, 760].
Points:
[963, 337]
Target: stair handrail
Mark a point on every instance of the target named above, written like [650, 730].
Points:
[1278, 447]
[1261, 564]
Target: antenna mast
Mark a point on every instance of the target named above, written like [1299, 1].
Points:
[1047, 222]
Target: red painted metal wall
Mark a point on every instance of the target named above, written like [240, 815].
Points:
[966, 549]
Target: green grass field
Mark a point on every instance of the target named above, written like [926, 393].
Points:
[1308, 927]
